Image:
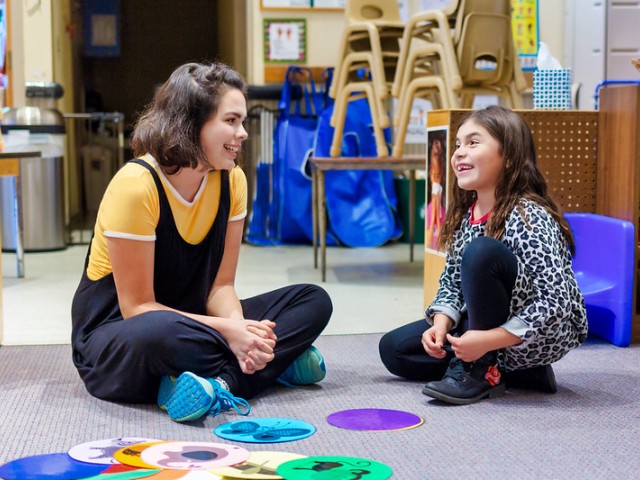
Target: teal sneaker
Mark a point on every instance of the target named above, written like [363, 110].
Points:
[185, 398]
[189, 397]
[308, 368]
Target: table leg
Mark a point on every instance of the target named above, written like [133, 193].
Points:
[19, 226]
[412, 212]
[314, 214]
[322, 221]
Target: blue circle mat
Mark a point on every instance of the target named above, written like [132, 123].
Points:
[59, 466]
[265, 430]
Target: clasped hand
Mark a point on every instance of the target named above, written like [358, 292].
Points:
[253, 342]
[470, 346]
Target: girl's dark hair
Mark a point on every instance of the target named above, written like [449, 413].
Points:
[169, 128]
[520, 177]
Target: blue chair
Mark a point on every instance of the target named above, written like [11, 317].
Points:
[603, 264]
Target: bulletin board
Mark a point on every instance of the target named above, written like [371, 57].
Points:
[302, 4]
[526, 32]
[285, 40]
[101, 25]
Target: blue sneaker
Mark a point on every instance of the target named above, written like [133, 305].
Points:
[308, 368]
[185, 398]
[189, 397]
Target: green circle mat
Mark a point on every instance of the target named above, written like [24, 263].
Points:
[333, 467]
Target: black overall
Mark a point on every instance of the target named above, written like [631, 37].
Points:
[123, 360]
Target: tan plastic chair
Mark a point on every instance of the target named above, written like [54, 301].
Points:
[432, 87]
[378, 11]
[372, 26]
[350, 92]
[370, 42]
[356, 66]
[484, 60]
[421, 29]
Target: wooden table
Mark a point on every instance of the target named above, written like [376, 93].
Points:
[10, 167]
[319, 165]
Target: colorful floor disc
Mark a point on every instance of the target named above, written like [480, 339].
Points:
[374, 419]
[260, 465]
[175, 475]
[119, 468]
[54, 465]
[334, 467]
[101, 451]
[131, 455]
[130, 475]
[193, 455]
[196, 475]
[265, 430]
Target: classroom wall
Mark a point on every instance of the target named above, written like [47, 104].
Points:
[34, 54]
[325, 28]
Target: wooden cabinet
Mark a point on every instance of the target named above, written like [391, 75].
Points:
[618, 186]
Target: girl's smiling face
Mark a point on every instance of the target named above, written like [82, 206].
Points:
[477, 160]
[222, 135]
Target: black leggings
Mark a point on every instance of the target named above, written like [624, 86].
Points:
[135, 353]
[488, 274]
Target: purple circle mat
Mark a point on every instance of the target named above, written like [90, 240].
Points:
[374, 419]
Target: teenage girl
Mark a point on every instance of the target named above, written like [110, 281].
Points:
[156, 317]
[508, 303]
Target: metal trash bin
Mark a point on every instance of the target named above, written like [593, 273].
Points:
[42, 178]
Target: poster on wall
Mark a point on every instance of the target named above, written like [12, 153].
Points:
[417, 126]
[3, 49]
[524, 22]
[101, 19]
[285, 40]
[294, 4]
[437, 186]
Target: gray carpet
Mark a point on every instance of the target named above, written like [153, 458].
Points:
[590, 429]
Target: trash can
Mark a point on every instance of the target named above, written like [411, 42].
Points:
[42, 178]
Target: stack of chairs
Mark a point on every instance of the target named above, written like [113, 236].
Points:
[446, 56]
[475, 56]
[366, 66]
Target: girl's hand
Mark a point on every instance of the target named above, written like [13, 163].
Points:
[252, 343]
[433, 341]
[471, 345]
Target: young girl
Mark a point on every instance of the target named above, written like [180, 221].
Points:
[508, 303]
[156, 316]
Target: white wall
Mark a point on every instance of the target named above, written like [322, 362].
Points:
[32, 45]
[551, 25]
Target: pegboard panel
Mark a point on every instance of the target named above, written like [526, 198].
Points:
[567, 151]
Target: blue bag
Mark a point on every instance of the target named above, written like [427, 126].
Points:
[282, 202]
[295, 131]
[361, 204]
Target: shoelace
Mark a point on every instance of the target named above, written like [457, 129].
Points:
[457, 368]
[225, 400]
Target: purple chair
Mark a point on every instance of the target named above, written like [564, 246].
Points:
[603, 264]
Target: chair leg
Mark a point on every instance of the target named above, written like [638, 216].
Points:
[403, 113]
[337, 121]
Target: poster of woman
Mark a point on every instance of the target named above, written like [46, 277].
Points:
[436, 191]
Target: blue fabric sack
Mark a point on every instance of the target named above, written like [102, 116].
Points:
[282, 205]
[362, 206]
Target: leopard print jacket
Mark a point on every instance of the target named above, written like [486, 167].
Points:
[547, 308]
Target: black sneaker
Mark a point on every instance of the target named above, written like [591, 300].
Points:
[465, 383]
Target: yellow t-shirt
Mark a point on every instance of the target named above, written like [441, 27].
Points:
[130, 209]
